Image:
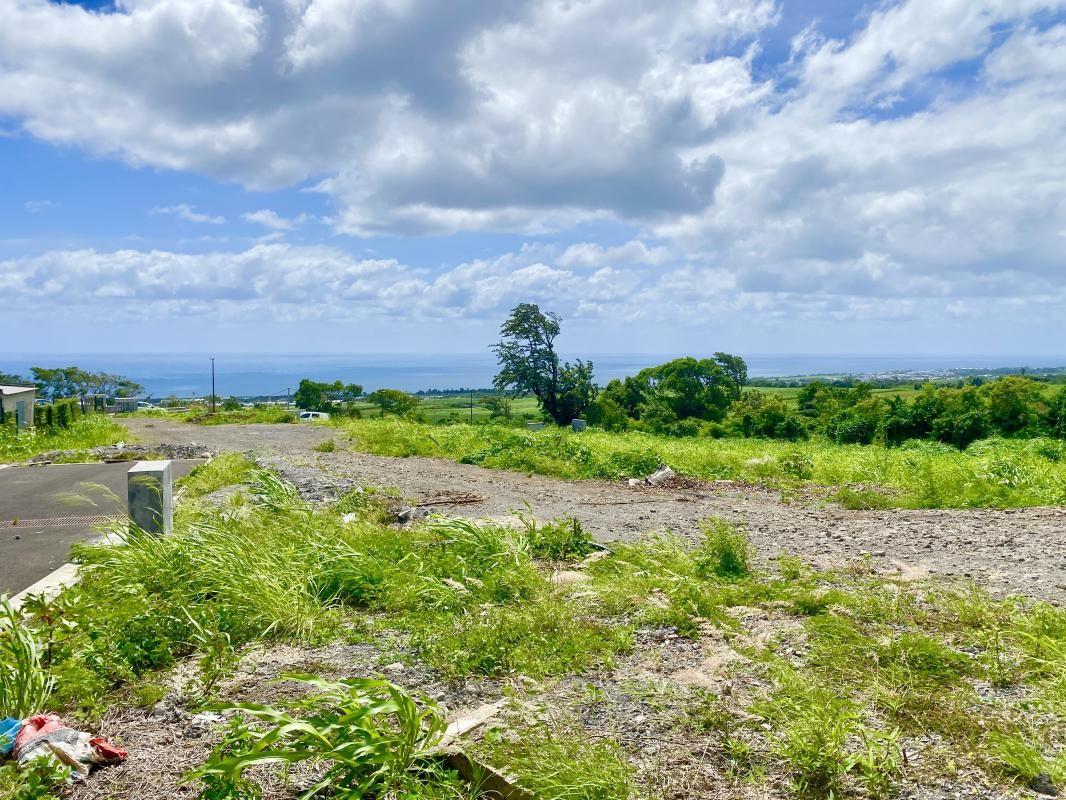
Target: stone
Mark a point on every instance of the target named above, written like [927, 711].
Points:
[534, 426]
[578, 425]
[150, 494]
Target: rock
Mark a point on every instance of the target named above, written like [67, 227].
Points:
[1042, 784]
[567, 577]
[201, 723]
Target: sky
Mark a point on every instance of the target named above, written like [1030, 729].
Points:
[323, 176]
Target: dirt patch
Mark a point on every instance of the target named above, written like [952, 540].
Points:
[1013, 551]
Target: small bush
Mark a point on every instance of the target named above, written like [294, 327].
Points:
[725, 551]
[559, 540]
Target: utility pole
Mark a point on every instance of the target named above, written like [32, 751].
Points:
[212, 384]
[471, 407]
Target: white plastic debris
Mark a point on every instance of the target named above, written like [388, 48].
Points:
[663, 473]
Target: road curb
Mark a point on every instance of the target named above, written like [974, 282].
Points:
[50, 585]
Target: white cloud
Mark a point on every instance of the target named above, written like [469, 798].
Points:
[271, 219]
[188, 213]
[277, 281]
[912, 164]
[37, 206]
[490, 126]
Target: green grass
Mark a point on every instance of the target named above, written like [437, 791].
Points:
[226, 469]
[556, 763]
[849, 668]
[95, 430]
[264, 415]
[994, 473]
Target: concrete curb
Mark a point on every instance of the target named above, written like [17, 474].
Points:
[50, 585]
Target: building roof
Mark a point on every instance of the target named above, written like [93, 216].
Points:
[10, 389]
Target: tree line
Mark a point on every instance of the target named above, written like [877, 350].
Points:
[689, 396]
[58, 382]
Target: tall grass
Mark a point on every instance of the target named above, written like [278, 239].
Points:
[853, 663]
[995, 473]
[24, 684]
[94, 430]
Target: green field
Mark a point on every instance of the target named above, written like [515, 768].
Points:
[995, 473]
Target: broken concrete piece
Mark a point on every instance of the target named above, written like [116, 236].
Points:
[469, 721]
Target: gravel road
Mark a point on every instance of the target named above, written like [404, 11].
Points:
[1019, 551]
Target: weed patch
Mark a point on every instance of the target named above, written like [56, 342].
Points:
[94, 430]
[996, 473]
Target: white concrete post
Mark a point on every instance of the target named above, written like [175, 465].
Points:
[577, 425]
[534, 426]
[150, 492]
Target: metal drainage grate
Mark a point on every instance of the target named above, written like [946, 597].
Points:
[60, 522]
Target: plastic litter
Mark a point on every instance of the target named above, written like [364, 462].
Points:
[663, 473]
[9, 728]
[45, 735]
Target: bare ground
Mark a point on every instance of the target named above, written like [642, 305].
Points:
[1019, 551]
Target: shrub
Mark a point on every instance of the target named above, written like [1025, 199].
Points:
[725, 551]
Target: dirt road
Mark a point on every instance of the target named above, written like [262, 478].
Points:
[1016, 551]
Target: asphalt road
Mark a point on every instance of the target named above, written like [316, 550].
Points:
[37, 498]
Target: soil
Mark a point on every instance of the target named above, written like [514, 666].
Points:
[1015, 551]
[654, 699]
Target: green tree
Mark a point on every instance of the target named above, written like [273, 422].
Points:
[688, 387]
[9, 378]
[1014, 403]
[529, 364]
[73, 381]
[393, 401]
[736, 371]
[858, 424]
[315, 396]
[897, 425]
[231, 404]
[1056, 414]
[761, 415]
[607, 413]
[499, 406]
[964, 418]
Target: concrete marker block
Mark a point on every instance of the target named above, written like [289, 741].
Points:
[578, 425]
[150, 493]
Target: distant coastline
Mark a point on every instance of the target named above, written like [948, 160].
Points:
[247, 375]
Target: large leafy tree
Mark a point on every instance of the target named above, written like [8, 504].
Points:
[316, 396]
[529, 364]
[74, 382]
[735, 370]
[394, 401]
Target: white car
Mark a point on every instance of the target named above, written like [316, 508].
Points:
[309, 415]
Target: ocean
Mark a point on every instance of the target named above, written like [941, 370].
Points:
[186, 374]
